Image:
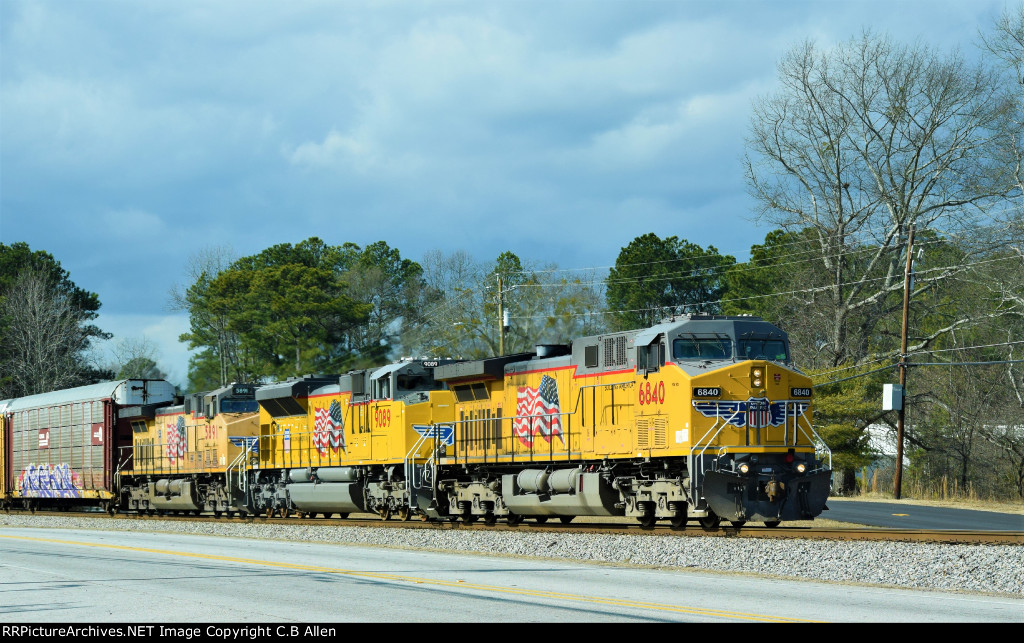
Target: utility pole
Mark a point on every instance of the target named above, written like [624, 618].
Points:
[501, 318]
[898, 481]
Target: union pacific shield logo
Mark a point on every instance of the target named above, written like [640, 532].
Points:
[756, 412]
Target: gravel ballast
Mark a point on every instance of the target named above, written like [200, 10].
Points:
[992, 569]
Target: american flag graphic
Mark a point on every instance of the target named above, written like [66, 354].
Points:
[542, 400]
[329, 429]
[176, 442]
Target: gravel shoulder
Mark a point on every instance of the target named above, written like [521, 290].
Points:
[981, 569]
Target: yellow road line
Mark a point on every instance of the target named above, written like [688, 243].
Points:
[596, 600]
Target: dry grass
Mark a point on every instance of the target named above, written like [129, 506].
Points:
[980, 505]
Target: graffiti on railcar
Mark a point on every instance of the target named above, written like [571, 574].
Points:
[49, 481]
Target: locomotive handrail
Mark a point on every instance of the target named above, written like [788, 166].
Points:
[410, 461]
[819, 445]
[611, 385]
[120, 466]
[240, 462]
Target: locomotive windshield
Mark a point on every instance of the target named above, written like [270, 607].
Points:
[773, 349]
[695, 348]
[239, 406]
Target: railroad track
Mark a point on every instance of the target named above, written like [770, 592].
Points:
[605, 527]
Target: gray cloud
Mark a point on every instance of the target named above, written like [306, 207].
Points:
[135, 133]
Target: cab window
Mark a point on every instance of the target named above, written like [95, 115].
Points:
[684, 348]
[773, 349]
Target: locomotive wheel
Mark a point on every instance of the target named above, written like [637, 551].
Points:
[385, 513]
[565, 520]
[648, 520]
[404, 514]
[737, 523]
[772, 524]
[513, 519]
[710, 522]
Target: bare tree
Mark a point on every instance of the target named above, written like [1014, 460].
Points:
[135, 358]
[45, 337]
[1006, 43]
[461, 306]
[208, 327]
[860, 143]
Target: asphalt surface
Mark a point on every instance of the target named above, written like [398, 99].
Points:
[900, 515]
[277, 589]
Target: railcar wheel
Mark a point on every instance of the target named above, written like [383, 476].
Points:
[565, 520]
[404, 514]
[343, 515]
[710, 522]
[327, 515]
[385, 513]
[217, 513]
[513, 519]
[678, 522]
[540, 519]
[737, 523]
[490, 519]
[772, 524]
[468, 518]
[647, 521]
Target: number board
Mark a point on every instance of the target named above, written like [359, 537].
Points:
[243, 390]
[800, 392]
[707, 391]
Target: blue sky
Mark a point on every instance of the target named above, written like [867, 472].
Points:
[135, 133]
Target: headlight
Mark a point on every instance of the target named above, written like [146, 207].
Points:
[800, 468]
[744, 468]
[756, 375]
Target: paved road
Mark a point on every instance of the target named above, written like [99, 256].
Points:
[62, 576]
[902, 515]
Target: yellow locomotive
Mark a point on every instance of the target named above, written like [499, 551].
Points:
[188, 457]
[346, 444]
[699, 417]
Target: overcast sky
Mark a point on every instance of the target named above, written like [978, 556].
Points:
[134, 133]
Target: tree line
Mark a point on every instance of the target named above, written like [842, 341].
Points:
[861, 145]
